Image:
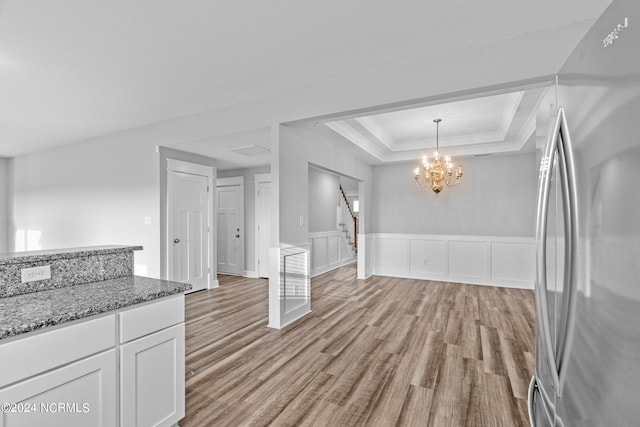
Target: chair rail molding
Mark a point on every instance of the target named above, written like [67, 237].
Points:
[480, 260]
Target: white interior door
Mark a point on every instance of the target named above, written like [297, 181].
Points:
[263, 226]
[230, 230]
[188, 229]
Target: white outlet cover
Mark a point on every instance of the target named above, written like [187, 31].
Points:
[34, 274]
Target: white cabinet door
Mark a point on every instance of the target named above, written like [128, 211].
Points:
[152, 379]
[80, 394]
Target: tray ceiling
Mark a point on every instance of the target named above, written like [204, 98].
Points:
[477, 126]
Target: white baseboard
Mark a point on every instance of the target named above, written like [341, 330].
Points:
[461, 279]
[251, 274]
[214, 284]
[290, 321]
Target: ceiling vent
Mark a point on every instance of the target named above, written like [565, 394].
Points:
[251, 151]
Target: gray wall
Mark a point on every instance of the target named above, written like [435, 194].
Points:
[4, 203]
[249, 211]
[297, 148]
[496, 197]
[323, 200]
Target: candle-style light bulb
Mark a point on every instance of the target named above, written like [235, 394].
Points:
[417, 171]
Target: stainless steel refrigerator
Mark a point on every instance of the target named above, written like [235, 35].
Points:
[587, 370]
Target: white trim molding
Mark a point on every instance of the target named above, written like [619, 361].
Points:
[259, 178]
[191, 168]
[232, 180]
[481, 260]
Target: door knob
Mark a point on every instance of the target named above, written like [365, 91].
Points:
[176, 240]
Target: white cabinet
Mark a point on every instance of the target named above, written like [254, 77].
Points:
[152, 379]
[80, 394]
[152, 364]
[68, 375]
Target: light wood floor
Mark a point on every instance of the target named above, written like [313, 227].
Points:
[380, 352]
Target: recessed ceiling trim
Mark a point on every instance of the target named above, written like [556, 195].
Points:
[374, 128]
[457, 153]
[452, 141]
[511, 108]
[356, 138]
[527, 129]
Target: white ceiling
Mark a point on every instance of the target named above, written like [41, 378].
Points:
[72, 70]
[496, 123]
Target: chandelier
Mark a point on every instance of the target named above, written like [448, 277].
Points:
[437, 172]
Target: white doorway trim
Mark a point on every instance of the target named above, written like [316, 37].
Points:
[209, 172]
[260, 178]
[230, 182]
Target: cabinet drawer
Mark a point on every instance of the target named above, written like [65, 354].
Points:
[32, 355]
[86, 389]
[151, 317]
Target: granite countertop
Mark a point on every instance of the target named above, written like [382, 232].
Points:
[29, 312]
[49, 255]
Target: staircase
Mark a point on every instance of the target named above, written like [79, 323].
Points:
[347, 238]
[349, 224]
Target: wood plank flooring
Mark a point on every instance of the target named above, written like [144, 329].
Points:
[380, 352]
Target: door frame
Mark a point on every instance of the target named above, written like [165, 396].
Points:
[259, 178]
[182, 166]
[230, 182]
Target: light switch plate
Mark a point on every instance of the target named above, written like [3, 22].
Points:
[35, 273]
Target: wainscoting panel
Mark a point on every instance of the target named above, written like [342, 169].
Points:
[506, 261]
[319, 252]
[468, 259]
[391, 256]
[328, 251]
[333, 249]
[482, 260]
[428, 256]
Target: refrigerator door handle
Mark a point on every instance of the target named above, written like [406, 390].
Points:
[542, 306]
[568, 176]
[534, 395]
[559, 144]
[531, 401]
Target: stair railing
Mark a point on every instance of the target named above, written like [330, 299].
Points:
[353, 217]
